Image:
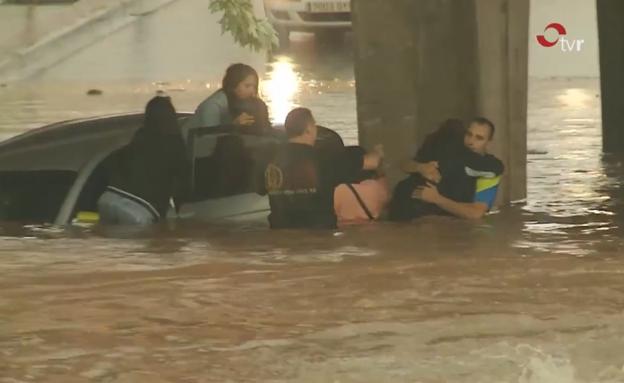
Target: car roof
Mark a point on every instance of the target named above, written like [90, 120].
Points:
[68, 145]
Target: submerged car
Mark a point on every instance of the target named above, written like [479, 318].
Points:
[56, 174]
[319, 16]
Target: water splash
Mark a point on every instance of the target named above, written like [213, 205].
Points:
[545, 368]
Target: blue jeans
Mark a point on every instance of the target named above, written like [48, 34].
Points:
[116, 209]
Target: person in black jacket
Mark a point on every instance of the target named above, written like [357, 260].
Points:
[149, 172]
[445, 172]
[301, 179]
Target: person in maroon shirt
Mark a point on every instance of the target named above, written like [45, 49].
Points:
[301, 178]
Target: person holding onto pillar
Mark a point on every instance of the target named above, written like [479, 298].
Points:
[452, 173]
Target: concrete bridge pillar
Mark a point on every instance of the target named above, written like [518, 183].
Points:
[419, 62]
[611, 42]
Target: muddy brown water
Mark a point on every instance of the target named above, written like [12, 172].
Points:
[533, 293]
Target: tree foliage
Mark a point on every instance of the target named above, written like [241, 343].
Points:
[239, 20]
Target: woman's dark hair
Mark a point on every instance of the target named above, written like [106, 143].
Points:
[446, 140]
[258, 109]
[158, 139]
[234, 75]
[160, 120]
[160, 116]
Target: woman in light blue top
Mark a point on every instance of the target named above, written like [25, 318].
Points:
[239, 84]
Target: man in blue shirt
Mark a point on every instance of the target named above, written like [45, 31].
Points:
[451, 174]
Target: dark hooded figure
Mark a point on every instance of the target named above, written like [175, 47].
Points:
[149, 172]
[441, 145]
[446, 145]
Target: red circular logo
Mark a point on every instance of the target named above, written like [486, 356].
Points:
[557, 27]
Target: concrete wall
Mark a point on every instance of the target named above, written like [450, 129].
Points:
[33, 37]
[36, 37]
[611, 28]
[411, 72]
[502, 30]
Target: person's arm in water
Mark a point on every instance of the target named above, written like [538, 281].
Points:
[469, 210]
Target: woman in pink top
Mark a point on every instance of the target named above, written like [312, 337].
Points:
[373, 198]
[365, 197]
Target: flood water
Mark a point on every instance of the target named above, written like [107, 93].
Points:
[531, 294]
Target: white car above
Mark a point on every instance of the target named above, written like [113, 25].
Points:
[319, 16]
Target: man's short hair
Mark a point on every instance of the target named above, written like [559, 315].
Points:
[297, 120]
[486, 122]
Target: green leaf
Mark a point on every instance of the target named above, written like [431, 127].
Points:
[239, 20]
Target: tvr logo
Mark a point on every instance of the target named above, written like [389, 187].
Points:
[566, 45]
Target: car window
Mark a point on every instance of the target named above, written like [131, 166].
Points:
[33, 196]
[229, 164]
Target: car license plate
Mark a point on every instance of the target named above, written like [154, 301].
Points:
[330, 6]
